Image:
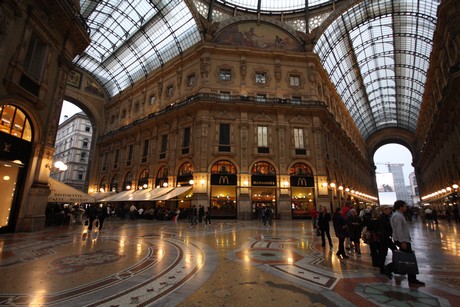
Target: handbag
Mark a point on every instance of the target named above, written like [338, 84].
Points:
[404, 262]
[318, 232]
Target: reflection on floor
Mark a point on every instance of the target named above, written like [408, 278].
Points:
[232, 263]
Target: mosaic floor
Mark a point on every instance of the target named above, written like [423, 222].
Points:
[232, 263]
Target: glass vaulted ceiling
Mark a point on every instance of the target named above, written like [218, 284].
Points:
[130, 38]
[377, 55]
[273, 5]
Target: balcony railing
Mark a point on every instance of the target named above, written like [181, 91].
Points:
[221, 98]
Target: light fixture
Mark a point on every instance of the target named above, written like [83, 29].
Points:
[61, 166]
[340, 187]
[347, 190]
[165, 184]
[324, 184]
[332, 185]
[202, 182]
[145, 185]
[455, 186]
[128, 187]
[245, 183]
[191, 182]
[102, 190]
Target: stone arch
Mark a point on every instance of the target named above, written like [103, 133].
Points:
[391, 135]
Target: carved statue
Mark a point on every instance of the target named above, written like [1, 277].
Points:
[243, 67]
[204, 68]
[278, 70]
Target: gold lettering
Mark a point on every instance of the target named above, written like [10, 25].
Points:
[6, 147]
[223, 180]
[302, 182]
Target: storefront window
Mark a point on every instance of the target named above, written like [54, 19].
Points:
[14, 122]
[9, 173]
[223, 189]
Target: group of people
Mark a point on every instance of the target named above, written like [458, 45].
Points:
[200, 214]
[381, 230]
[96, 216]
[265, 215]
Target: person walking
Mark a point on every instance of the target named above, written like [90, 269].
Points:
[201, 214]
[102, 215]
[323, 225]
[371, 237]
[92, 214]
[384, 233]
[354, 229]
[402, 239]
[194, 215]
[268, 215]
[207, 217]
[341, 232]
[314, 217]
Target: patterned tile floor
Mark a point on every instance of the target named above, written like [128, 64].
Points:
[232, 263]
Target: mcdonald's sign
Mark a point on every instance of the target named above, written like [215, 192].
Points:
[223, 179]
[302, 181]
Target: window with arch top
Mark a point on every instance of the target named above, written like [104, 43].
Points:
[14, 121]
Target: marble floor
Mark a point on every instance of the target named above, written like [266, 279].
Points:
[232, 263]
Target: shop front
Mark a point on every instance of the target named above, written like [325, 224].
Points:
[302, 191]
[223, 190]
[263, 192]
[15, 151]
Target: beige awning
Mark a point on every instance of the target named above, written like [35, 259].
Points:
[117, 197]
[174, 193]
[63, 193]
[101, 195]
[148, 194]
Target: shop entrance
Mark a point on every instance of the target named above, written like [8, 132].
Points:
[223, 202]
[302, 202]
[263, 197]
[302, 191]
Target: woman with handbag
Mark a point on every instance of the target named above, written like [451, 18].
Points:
[323, 226]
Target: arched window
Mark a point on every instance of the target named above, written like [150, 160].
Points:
[223, 167]
[102, 185]
[143, 180]
[162, 172]
[300, 169]
[162, 177]
[128, 181]
[114, 183]
[185, 169]
[263, 168]
[13, 121]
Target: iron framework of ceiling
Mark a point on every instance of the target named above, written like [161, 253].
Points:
[377, 55]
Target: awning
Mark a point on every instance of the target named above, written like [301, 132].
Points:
[117, 197]
[174, 193]
[63, 193]
[100, 195]
[148, 194]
